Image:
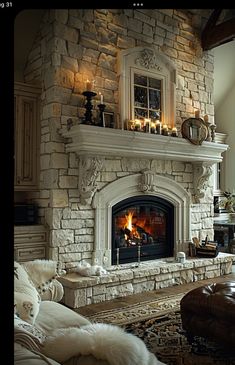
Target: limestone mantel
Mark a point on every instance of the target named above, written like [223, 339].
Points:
[99, 141]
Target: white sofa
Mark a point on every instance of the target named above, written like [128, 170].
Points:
[47, 332]
[51, 315]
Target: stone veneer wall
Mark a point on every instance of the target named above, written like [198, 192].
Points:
[75, 44]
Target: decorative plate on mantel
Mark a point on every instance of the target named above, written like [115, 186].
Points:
[195, 130]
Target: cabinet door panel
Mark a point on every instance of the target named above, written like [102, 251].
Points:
[26, 139]
[29, 254]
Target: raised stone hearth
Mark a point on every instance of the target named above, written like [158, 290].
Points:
[150, 275]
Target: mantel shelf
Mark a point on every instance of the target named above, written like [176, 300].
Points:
[99, 141]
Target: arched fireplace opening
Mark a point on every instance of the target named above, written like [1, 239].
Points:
[142, 229]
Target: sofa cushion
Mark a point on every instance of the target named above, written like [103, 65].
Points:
[26, 297]
[54, 315]
[23, 356]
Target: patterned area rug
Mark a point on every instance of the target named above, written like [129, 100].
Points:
[158, 324]
[144, 310]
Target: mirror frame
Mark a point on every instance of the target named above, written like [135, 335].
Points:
[195, 130]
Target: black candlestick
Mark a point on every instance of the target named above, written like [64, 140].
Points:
[88, 114]
[101, 121]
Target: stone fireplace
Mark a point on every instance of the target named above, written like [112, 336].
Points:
[168, 175]
[122, 172]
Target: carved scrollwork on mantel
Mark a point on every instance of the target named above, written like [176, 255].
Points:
[201, 174]
[89, 168]
[146, 184]
[147, 60]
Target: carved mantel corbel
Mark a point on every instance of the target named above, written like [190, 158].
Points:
[89, 168]
[147, 182]
[201, 174]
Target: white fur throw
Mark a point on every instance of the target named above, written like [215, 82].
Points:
[103, 341]
[85, 269]
[43, 272]
[26, 297]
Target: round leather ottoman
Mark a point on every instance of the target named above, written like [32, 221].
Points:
[209, 311]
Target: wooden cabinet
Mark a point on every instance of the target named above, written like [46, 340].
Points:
[30, 242]
[26, 134]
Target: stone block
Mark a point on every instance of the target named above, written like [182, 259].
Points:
[59, 161]
[49, 179]
[58, 198]
[61, 237]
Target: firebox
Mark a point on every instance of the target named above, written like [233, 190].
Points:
[142, 229]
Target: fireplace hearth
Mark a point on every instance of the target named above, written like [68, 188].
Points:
[142, 229]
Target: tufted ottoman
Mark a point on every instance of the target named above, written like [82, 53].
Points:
[209, 311]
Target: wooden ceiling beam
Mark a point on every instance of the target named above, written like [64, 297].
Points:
[215, 35]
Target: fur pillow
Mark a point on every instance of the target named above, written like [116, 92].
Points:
[43, 273]
[26, 297]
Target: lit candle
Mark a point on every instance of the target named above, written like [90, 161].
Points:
[137, 124]
[158, 127]
[197, 113]
[153, 127]
[165, 130]
[174, 132]
[206, 118]
[88, 85]
[147, 125]
[101, 98]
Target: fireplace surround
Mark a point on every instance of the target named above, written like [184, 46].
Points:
[115, 165]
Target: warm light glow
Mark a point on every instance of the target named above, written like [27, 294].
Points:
[197, 113]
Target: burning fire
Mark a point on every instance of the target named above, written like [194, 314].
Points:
[129, 221]
[129, 225]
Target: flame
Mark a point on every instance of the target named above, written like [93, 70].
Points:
[129, 221]
[133, 230]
